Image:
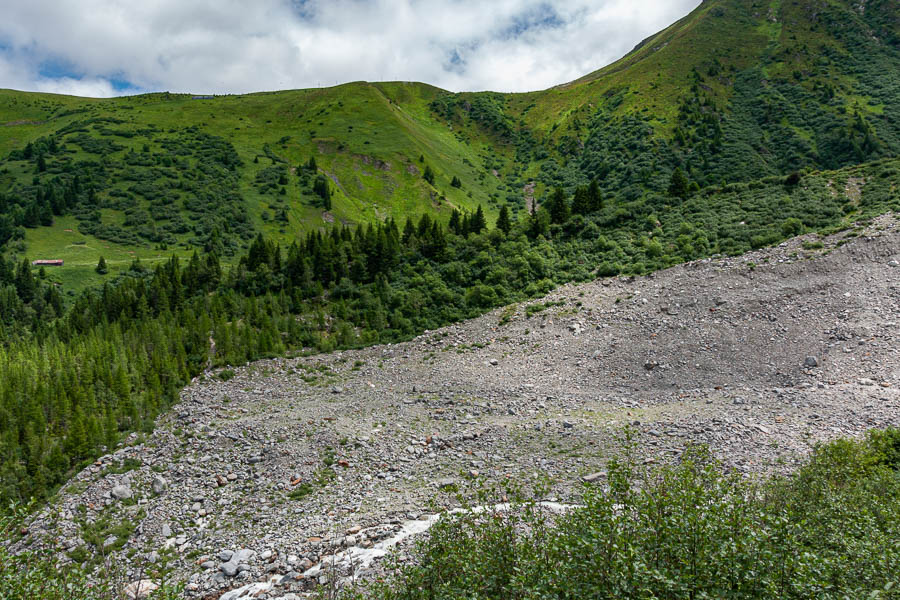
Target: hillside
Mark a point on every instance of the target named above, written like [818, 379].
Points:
[164, 172]
[292, 328]
[292, 462]
[736, 91]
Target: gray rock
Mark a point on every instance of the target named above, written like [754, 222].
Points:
[237, 563]
[446, 483]
[811, 362]
[594, 477]
[159, 485]
[109, 541]
[225, 555]
[166, 530]
[122, 492]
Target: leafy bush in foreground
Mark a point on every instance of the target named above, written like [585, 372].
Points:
[830, 530]
[34, 575]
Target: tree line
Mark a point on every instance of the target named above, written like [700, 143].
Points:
[74, 379]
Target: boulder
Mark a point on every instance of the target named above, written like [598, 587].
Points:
[159, 485]
[137, 590]
[122, 492]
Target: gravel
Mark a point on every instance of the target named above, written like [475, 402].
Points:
[294, 461]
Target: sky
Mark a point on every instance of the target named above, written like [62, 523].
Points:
[116, 47]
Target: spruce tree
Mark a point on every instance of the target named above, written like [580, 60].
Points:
[581, 204]
[678, 185]
[558, 207]
[503, 222]
[454, 224]
[101, 266]
[478, 222]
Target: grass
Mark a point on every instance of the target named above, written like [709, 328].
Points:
[368, 138]
[81, 253]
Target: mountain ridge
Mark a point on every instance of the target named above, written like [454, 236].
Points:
[734, 92]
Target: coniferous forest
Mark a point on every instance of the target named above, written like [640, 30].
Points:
[76, 376]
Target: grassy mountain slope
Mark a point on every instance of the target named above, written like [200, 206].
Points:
[738, 90]
[371, 144]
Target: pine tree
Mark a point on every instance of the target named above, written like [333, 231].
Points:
[678, 185]
[101, 267]
[503, 222]
[558, 207]
[478, 222]
[456, 182]
[454, 224]
[429, 175]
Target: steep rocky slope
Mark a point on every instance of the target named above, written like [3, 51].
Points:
[275, 470]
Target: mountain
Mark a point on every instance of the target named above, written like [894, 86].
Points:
[736, 91]
[741, 126]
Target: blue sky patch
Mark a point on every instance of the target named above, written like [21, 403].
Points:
[542, 16]
[455, 63]
[57, 68]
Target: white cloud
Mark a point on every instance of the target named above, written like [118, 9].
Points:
[230, 46]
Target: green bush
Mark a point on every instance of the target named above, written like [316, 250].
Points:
[693, 530]
[35, 575]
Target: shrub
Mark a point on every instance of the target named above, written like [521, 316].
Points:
[792, 227]
[35, 575]
[691, 530]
